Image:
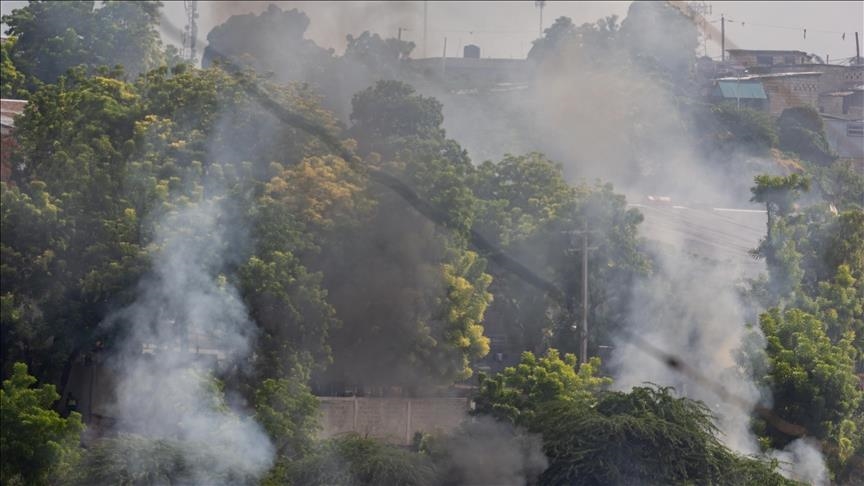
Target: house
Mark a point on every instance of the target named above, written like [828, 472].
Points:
[749, 93]
[845, 135]
[9, 109]
[849, 102]
[783, 90]
[835, 77]
[748, 57]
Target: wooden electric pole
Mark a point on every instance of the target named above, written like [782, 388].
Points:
[582, 326]
[857, 50]
[722, 38]
[583, 334]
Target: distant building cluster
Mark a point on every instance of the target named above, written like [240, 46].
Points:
[772, 81]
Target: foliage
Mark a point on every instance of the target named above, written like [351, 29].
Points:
[841, 184]
[645, 436]
[527, 207]
[727, 128]
[661, 37]
[287, 410]
[377, 54]
[36, 443]
[518, 392]
[779, 194]
[12, 81]
[52, 37]
[271, 42]
[393, 109]
[136, 460]
[812, 381]
[802, 131]
[357, 461]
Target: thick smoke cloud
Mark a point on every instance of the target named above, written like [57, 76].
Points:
[485, 451]
[186, 319]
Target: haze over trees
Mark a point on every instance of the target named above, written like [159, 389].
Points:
[340, 283]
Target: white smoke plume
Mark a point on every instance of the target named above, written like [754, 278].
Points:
[691, 308]
[802, 460]
[186, 322]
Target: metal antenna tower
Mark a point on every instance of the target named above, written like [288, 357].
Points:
[190, 32]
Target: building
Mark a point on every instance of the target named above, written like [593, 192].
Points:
[9, 109]
[782, 90]
[845, 135]
[749, 58]
[835, 77]
[748, 93]
[846, 103]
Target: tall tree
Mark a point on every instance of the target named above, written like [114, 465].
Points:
[52, 37]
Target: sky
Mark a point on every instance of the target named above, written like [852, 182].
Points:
[505, 29]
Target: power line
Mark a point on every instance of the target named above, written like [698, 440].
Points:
[490, 250]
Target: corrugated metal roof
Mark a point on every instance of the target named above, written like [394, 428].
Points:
[738, 90]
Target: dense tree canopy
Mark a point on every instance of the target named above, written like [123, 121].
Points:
[52, 37]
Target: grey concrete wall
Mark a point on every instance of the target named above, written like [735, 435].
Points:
[394, 420]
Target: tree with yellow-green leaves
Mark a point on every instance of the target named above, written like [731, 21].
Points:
[37, 445]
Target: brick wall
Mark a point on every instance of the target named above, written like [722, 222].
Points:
[788, 91]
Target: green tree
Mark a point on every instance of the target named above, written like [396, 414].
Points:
[37, 445]
[358, 461]
[802, 131]
[250, 40]
[841, 184]
[287, 410]
[813, 382]
[134, 459]
[726, 128]
[518, 392]
[12, 81]
[527, 207]
[392, 109]
[644, 436]
[779, 194]
[52, 37]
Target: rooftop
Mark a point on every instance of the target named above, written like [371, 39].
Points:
[771, 75]
[764, 51]
[747, 90]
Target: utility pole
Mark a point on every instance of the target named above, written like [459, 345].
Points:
[540, 4]
[722, 38]
[857, 50]
[190, 32]
[583, 334]
[399, 35]
[444, 58]
[581, 327]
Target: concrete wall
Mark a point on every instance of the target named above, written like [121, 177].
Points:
[789, 91]
[394, 420]
[838, 133]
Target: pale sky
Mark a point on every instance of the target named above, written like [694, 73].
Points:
[506, 29]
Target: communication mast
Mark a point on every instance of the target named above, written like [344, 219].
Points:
[190, 32]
